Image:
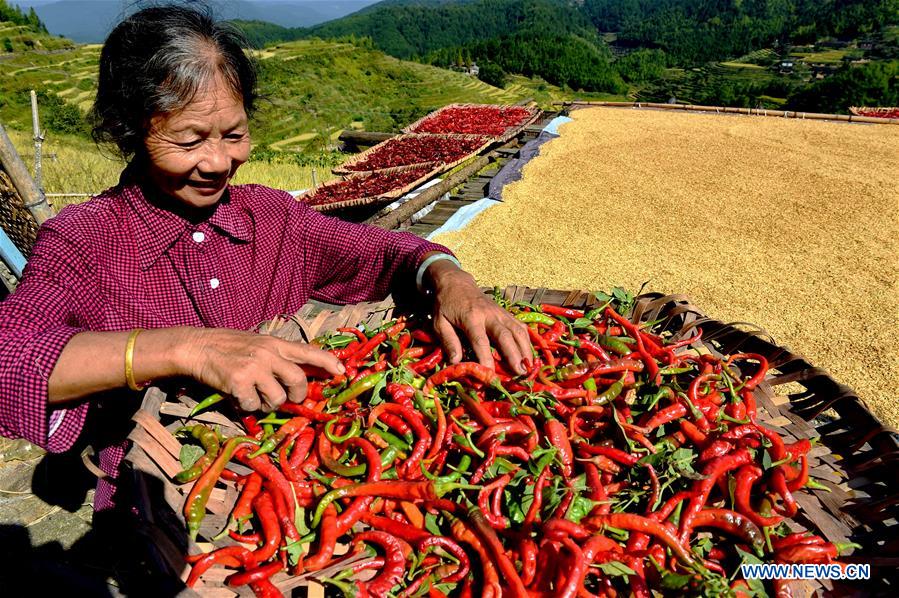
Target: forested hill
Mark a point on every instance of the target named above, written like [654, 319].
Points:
[688, 31]
[694, 31]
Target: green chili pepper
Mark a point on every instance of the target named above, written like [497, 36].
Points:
[611, 393]
[205, 404]
[590, 384]
[366, 383]
[391, 439]
[210, 441]
[534, 317]
[466, 442]
[671, 371]
[615, 344]
[388, 456]
[355, 427]
[464, 464]
[195, 505]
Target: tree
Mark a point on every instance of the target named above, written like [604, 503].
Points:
[492, 74]
[7, 44]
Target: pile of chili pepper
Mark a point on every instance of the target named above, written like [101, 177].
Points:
[474, 119]
[365, 185]
[416, 149]
[879, 112]
[623, 462]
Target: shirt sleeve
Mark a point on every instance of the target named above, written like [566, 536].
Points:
[36, 322]
[353, 262]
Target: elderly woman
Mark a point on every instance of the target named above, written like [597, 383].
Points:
[162, 275]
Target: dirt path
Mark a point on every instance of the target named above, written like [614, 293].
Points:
[789, 224]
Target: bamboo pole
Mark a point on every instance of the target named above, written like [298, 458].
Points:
[33, 197]
[38, 142]
[404, 212]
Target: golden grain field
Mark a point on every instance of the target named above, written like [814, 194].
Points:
[790, 224]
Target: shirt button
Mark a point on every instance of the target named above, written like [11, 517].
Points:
[199, 237]
[214, 283]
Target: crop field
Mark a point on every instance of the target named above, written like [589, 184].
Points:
[788, 224]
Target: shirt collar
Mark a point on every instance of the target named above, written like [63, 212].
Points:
[159, 229]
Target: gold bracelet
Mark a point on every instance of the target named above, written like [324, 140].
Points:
[129, 361]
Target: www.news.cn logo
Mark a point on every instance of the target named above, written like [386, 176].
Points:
[805, 571]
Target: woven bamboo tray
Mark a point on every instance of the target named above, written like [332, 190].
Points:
[373, 200]
[875, 111]
[502, 138]
[346, 167]
[855, 458]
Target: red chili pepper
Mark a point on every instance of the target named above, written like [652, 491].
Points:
[360, 505]
[271, 529]
[733, 523]
[407, 532]
[745, 478]
[565, 312]
[652, 368]
[497, 554]
[394, 562]
[701, 489]
[234, 556]
[451, 548]
[666, 415]
[327, 541]
[760, 372]
[647, 526]
[254, 575]
[243, 509]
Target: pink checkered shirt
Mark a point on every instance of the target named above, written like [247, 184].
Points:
[119, 262]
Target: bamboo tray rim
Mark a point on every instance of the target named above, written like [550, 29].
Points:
[344, 169]
[374, 199]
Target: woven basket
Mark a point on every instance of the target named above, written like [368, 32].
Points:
[17, 222]
[502, 138]
[346, 167]
[855, 458]
[375, 200]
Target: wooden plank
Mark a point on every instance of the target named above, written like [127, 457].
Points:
[155, 429]
[422, 230]
[169, 465]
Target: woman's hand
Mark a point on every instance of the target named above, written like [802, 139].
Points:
[260, 371]
[460, 305]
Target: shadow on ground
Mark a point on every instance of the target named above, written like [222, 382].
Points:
[51, 545]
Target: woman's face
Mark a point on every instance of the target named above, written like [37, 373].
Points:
[194, 152]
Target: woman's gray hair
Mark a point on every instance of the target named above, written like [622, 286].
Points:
[155, 61]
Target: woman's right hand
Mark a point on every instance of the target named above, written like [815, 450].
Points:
[261, 372]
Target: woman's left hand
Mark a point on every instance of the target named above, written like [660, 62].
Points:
[460, 305]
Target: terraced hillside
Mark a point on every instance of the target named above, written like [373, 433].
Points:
[314, 89]
[20, 38]
[69, 72]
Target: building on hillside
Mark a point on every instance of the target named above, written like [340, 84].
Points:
[785, 67]
[473, 69]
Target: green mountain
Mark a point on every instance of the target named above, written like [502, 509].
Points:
[559, 40]
[311, 90]
[22, 31]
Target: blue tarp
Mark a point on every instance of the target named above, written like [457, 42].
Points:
[510, 172]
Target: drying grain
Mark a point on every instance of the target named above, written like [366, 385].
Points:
[789, 224]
